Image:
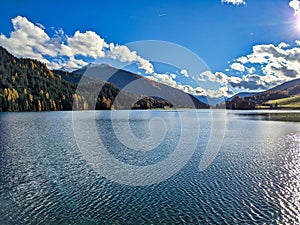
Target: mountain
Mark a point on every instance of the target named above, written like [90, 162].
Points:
[135, 83]
[290, 86]
[286, 103]
[29, 85]
[243, 95]
[285, 93]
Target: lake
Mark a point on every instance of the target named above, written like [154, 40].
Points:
[149, 167]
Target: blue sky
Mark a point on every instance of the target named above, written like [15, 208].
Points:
[219, 32]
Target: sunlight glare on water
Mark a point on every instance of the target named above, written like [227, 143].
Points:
[44, 178]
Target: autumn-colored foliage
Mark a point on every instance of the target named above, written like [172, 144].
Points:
[28, 85]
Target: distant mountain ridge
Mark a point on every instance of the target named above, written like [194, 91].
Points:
[243, 95]
[288, 86]
[138, 84]
[263, 99]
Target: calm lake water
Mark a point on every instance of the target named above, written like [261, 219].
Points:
[46, 177]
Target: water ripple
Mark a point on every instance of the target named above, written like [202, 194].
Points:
[45, 180]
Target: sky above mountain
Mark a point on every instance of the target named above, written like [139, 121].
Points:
[247, 45]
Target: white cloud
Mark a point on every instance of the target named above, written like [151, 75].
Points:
[198, 91]
[27, 40]
[238, 67]
[169, 79]
[276, 61]
[283, 45]
[173, 75]
[165, 79]
[264, 53]
[30, 40]
[251, 70]
[267, 66]
[184, 72]
[68, 65]
[295, 4]
[277, 64]
[234, 2]
[221, 92]
[124, 54]
[256, 82]
[145, 65]
[242, 59]
[218, 84]
[218, 77]
[85, 44]
[248, 82]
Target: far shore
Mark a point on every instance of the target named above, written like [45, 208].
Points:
[287, 116]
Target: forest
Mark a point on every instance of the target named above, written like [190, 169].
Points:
[29, 85]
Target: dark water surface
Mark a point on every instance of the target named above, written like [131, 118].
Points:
[45, 178]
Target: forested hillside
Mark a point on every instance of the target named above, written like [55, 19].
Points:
[268, 99]
[28, 85]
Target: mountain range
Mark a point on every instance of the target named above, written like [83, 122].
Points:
[29, 85]
[138, 84]
[284, 96]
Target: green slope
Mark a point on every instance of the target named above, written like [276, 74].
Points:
[290, 102]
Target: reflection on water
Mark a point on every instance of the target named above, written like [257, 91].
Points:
[273, 115]
[44, 179]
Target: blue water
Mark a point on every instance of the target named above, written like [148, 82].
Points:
[47, 178]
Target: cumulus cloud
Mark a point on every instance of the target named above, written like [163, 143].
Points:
[256, 82]
[242, 59]
[218, 77]
[30, 40]
[283, 45]
[184, 73]
[229, 85]
[266, 66]
[234, 2]
[218, 84]
[221, 92]
[272, 64]
[124, 54]
[295, 4]
[145, 65]
[169, 79]
[68, 65]
[238, 67]
[85, 44]
[251, 70]
[165, 79]
[27, 40]
[279, 61]
[198, 91]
